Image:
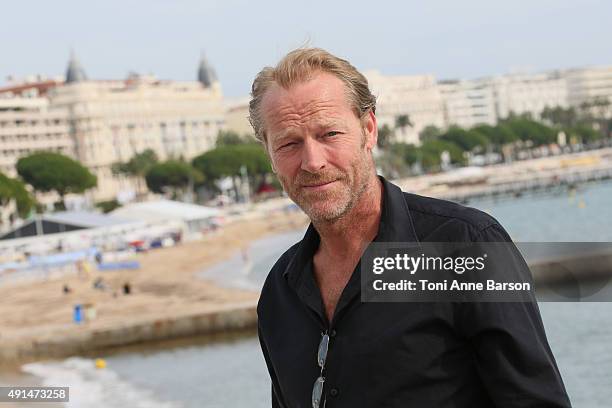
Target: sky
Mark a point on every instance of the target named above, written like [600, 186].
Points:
[446, 38]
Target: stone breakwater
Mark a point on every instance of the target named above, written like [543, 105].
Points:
[83, 339]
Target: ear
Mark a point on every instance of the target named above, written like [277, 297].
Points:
[371, 129]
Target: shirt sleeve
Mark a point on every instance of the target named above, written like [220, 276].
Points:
[277, 401]
[510, 349]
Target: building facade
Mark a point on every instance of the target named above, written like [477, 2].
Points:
[29, 123]
[529, 93]
[417, 96]
[589, 86]
[468, 103]
[111, 121]
[464, 103]
[237, 116]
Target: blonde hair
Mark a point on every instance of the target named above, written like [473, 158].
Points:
[298, 66]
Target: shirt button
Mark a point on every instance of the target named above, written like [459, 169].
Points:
[334, 392]
[332, 333]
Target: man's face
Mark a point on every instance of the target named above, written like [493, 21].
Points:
[320, 150]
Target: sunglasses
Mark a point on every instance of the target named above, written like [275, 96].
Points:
[317, 389]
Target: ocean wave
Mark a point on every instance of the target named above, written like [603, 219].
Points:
[91, 387]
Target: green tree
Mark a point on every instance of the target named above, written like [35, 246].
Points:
[108, 206]
[172, 176]
[226, 161]
[585, 132]
[602, 107]
[486, 130]
[392, 164]
[137, 166]
[6, 189]
[559, 116]
[530, 130]
[229, 138]
[48, 171]
[505, 135]
[430, 132]
[431, 151]
[466, 140]
[384, 136]
[402, 121]
[23, 199]
[13, 189]
[408, 152]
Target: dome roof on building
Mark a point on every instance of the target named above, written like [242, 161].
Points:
[75, 73]
[206, 74]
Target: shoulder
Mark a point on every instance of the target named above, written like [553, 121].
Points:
[440, 220]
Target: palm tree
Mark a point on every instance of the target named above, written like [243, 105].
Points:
[403, 121]
[137, 167]
[601, 104]
[384, 136]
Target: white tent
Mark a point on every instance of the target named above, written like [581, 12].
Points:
[196, 217]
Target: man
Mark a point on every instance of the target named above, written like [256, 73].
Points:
[316, 118]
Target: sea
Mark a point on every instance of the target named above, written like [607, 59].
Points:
[229, 370]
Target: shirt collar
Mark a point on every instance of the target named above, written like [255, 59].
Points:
[396, 225]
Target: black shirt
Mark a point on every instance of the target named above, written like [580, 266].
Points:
[404, 354]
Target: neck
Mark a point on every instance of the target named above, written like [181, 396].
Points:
[361, 221]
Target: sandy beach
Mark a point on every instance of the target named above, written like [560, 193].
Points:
[163, 288]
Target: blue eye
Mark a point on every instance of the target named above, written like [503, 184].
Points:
[332, 134]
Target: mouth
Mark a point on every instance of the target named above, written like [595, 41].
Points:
[318, 186]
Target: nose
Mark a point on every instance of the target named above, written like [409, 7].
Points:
[313, 156]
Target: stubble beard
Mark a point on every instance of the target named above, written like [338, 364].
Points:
[330, 206]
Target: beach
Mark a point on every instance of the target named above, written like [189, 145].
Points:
[166, 299]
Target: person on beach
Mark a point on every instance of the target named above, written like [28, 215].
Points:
[316, 118]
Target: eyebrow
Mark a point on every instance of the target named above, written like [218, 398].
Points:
[321, 124]
[331, 123]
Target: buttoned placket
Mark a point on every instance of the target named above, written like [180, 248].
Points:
[305, 285]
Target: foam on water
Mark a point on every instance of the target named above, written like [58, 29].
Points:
[91, 387]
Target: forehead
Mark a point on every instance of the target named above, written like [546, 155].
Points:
[322, 98]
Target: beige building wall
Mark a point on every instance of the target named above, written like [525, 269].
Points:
[28, 123]
[529, 93]
[113, 120]
[417, 96]
[468, 103]
[589, 84]
[236, 117]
